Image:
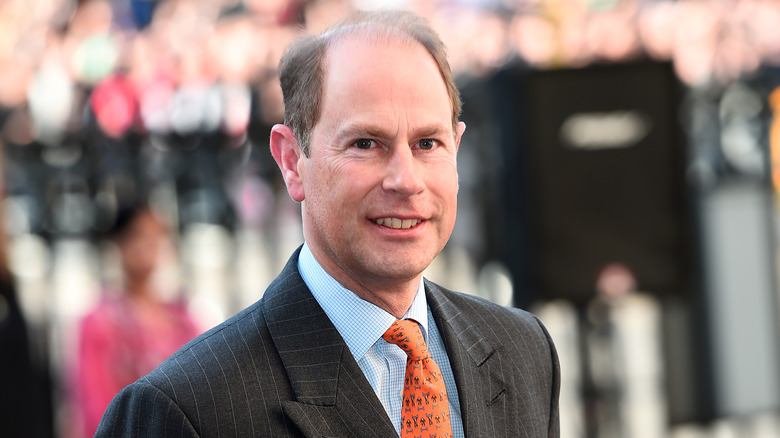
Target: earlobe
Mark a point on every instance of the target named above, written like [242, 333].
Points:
[287, 154]
[459, 134]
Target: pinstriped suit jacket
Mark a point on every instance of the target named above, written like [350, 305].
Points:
[280, 369]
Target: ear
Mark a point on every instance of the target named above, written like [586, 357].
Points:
[287, 154]
[459, 134]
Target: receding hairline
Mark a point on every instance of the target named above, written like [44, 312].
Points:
[369, 33]
[304, 64]
[385, 32]
[377, 32]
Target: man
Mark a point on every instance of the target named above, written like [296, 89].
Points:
[369, 150]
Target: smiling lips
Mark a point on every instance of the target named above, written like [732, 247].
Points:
[396, 223]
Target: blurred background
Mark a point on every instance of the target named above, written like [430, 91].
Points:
[619, 177]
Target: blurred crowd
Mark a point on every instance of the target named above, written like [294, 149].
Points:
[108, 104]
[101, 101]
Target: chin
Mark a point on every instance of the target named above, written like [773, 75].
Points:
[406, 271]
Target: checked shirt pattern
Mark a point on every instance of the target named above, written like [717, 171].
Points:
[425, 412]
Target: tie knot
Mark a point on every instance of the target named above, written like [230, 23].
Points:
[406, 334]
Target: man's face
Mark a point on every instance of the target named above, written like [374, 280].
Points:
[380, 183]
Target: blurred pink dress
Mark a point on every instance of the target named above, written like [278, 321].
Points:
[119, 342]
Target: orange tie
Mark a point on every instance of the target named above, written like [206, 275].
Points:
[425, 411]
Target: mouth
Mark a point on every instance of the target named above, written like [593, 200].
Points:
[396, 223]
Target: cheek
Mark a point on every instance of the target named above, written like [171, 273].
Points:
[320, 174]
[326, 201]
[344, 182]
[445, 189]
[444, 180]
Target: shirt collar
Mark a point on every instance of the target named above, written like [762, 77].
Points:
[358, 321]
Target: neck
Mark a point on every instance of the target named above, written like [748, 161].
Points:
[394, 302]
[394, 294]
[395, 297]
[139, 290]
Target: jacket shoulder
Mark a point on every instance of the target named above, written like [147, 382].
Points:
[505, 354]
[485, 313]
[220, 380]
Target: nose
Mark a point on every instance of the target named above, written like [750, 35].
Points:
[403, 174]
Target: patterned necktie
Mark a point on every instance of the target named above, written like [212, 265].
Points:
[425, 411]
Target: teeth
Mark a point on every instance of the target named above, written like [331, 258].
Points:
[396, 223]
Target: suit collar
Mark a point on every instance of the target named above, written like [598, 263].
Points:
[471, 355]
[458, 328]
[332, 396]
[341, 305]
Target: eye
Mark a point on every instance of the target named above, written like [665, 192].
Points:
[364, 143]
[427, 144]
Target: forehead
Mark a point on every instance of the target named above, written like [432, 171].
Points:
[382, 66]
[371, 45]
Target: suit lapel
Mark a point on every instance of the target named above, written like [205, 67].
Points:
[332, 396]
[473, 360]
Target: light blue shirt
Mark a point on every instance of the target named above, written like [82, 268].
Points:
[362, 325]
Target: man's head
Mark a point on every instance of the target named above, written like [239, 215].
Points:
[301, 70]
[378, 182]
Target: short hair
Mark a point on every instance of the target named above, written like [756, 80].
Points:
[302, 69]
[125, 217]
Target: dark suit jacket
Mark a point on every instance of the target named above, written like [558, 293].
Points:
[280, 369]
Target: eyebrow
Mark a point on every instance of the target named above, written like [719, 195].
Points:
[433, 130]
[361, 129]
[366, 130]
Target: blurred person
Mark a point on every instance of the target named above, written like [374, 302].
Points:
[369, 150]
[487, 38]
[697, 24]
[281, 12]
[319, 15]
[573, 48]
[131, 330]
[535, 39]
[656, 26]
[764, 20]
[611, 34]
[737, 53]
[25, 390]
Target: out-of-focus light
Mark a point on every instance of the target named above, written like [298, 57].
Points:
[534, 39]
[155, 104]
[95, 58]
[50, 98]
[236, 103]
[206, 245]
[142, 12]
[28, 256]
[616, 280]
[741, 129]
[605, 130]
[196, 108]
[114, 105]
[656, 24]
